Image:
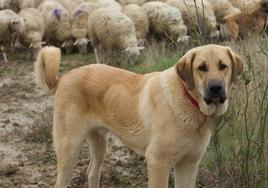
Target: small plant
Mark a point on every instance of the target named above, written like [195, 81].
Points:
[247, 122]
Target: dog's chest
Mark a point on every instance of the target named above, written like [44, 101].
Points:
[185, 139]
[195, 143]
[198, 146]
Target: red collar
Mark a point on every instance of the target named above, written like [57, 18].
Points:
[190, 97]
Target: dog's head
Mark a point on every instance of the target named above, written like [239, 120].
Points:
[207, 73]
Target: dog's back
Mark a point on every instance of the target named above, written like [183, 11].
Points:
[246, 24]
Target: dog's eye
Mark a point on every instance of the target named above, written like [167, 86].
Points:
[222, 66]
[203, 68]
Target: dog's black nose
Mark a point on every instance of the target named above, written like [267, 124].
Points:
[215, 89]
[215, 86]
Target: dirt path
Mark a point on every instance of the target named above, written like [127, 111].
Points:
[27, 159]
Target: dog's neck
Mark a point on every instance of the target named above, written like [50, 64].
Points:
[177, 99]
[190, 97]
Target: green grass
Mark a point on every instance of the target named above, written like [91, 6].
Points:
[15, 56]
[86, 58]
[158, 63]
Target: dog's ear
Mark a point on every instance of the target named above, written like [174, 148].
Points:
[237, 64]
[184, 69]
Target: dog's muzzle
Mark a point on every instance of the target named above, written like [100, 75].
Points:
[215, 92]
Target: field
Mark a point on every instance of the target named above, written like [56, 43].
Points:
[236, 158]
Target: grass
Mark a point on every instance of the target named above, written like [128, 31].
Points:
[16, 56]
[154, 62]
[78, 57]
[238, 152]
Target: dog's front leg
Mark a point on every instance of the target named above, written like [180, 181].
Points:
[185, 174]
[158, 168]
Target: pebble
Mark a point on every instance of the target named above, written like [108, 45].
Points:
[8, 169]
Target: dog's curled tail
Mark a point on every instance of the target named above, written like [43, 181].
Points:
[46, 68]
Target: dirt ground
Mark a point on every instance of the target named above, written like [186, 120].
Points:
[27, 159]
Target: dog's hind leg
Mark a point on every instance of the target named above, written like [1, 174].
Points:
[98, 144]
[68, 141]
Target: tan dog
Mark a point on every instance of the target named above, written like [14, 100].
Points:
[166, 116]
[248, 24]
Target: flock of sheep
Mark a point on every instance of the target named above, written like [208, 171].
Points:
[108, 24]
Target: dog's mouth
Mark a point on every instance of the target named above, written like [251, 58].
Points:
[216, 100]
[215, 92]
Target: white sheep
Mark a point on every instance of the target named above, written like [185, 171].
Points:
[57, 24]
[79, 24]
[17, 5]
[23, 4]
[113, 29]
[140, 19]
[29, 3]
[78, 2]
[67, 4]
[37, 3]
[34, 30]
[111, 4]
[126, 2]
[166, 20]
[11, 26]
[198, 16]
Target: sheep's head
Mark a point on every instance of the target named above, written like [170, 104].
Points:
[34, 48]
[133, 53]
[184, 40]
[178, 32]
[82, 45]
[17, 25]
[215, 35]
[141, 42]
[68, 46]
